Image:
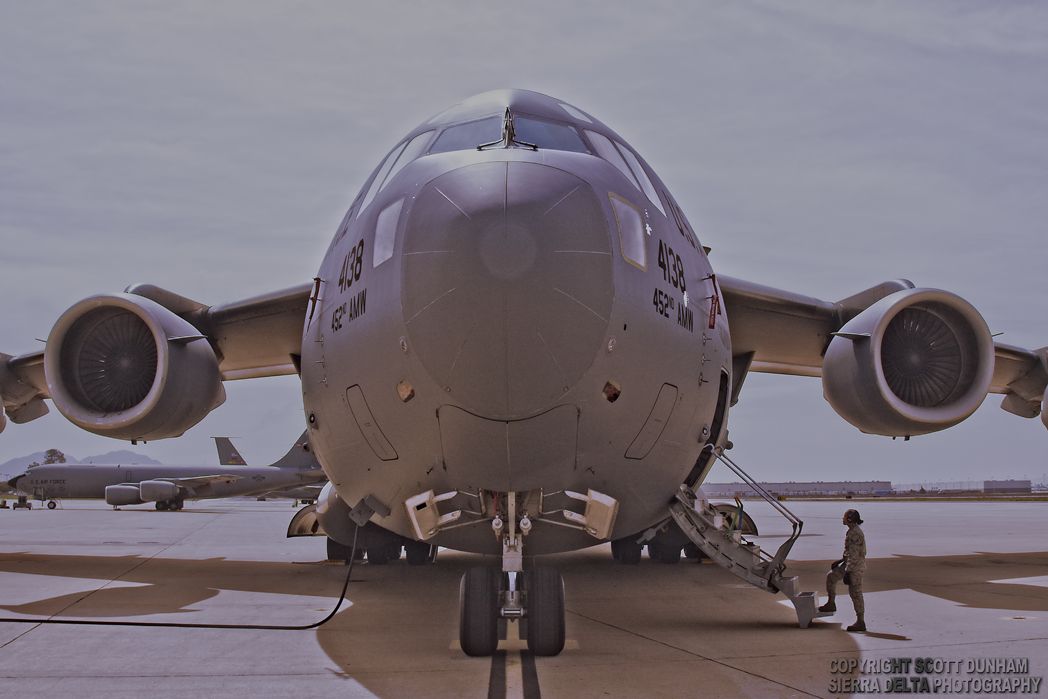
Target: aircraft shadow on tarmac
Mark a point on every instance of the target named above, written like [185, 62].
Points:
[652, 613]
[163, 585]
[172, 585]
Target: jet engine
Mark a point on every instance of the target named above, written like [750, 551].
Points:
[117, 495]
[917, 361]
[123, 366]
[158, 491]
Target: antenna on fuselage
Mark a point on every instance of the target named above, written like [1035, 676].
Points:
[509, 135]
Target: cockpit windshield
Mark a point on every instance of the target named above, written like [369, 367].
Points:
[528, 130]
[469, 135]
[548, 134]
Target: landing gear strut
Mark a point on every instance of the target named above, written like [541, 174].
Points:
[537, 595]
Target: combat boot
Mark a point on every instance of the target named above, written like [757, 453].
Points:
[859, 625]
[830, 606]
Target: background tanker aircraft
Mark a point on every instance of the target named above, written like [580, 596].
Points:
[169, 486]
[515, 345]
[229, 455]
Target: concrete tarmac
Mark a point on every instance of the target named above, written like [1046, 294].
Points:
[955, 582]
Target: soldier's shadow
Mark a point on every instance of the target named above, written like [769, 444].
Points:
[966, 580]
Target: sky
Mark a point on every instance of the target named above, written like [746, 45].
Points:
[821, 147]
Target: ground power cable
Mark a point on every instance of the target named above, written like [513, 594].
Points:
[191, 625]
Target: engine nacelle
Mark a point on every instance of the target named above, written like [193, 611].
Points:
[917, 361]
[123, 366]
[158, 491]
[1044, 408]
[333, 514]
[117, 495]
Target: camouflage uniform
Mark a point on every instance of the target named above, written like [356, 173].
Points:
[854, 565]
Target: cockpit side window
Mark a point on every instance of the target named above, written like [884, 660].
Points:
[606, 150]
[412, 150]
[380, 176]
[397, 159]
[631, 232]
[642, 177]
[548, 134]
[576, 112]
[627, 163]
[469, 135]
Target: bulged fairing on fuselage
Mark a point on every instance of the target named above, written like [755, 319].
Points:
[511, 319]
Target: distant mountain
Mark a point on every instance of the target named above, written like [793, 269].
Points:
[121, 456]
[18, 464]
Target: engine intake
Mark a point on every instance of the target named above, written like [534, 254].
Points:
[917, 361]
[124, 366]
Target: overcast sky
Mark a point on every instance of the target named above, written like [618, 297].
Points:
[822, 147]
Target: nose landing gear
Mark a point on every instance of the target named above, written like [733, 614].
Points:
[536, 596]
[486, 595]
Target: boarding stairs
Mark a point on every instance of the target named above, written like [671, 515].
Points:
[707, 528]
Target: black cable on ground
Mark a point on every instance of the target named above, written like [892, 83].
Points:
[189, 625]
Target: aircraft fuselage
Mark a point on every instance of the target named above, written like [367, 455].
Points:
[89, 481]
[508, 319]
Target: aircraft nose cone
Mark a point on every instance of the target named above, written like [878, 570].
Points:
[507, 285]
[508, 251]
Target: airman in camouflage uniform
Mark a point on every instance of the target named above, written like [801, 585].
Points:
[850, 569]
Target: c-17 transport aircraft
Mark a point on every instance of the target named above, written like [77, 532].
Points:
[169, 486]
[516, 345]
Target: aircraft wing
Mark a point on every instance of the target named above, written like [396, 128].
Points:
[195, 483]
[253, 337]
[257, 336]
[781, 332]
[296, 492]
[22, 388]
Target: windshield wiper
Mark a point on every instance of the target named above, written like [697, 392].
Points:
[509, 136]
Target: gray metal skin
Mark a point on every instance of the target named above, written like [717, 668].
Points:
[89, 481]
[508, 306]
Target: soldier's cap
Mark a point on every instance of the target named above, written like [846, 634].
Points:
[853, 516]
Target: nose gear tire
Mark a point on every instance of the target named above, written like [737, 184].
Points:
[545, 604]
[478, 611]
